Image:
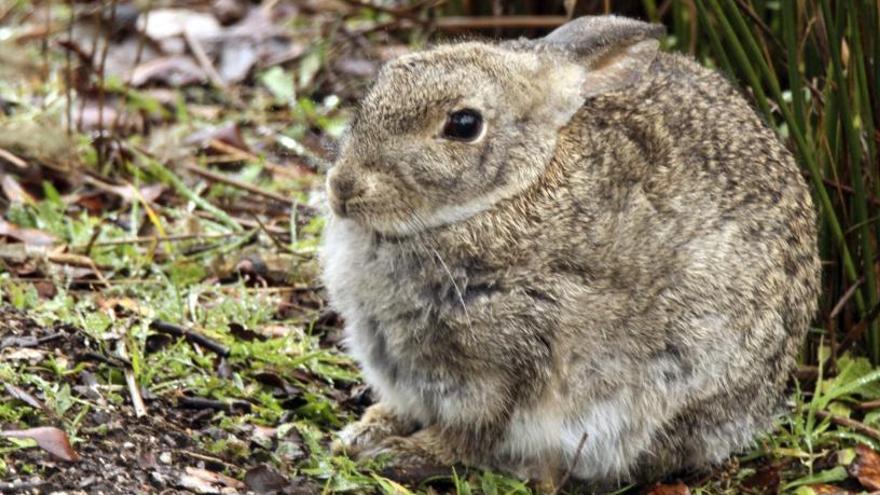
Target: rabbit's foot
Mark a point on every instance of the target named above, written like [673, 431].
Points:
[423, 448]
[377, 424]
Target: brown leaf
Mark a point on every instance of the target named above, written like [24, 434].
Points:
[174, 71]
[31, 237]
[676, 489]
[265, 479]
[22, 395]
[765, 480]
[130, 194]
[229, 133]
[49, 438]
[204, 481]
[824, 489]
[866, 467]
[171, 23]
[13, 190]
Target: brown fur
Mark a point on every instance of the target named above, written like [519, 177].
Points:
[638, 266]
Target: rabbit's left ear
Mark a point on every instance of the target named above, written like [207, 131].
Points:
[616, 51]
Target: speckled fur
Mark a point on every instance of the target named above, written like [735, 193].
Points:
[636, 268]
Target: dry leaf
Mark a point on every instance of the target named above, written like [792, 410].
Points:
[13, 190]
[265, 479]
[866, 467]
[22, 395]
[676, 489]
[174, 71]
[168, 23]
[49, 438]
[824, 489]
[31, 237]
[204, 481]
[32, 356]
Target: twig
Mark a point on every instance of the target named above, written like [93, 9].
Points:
[190, 336]
[78, 260]
[207, 458]
[247, 223]
[11, 158]
[868, 405]
[140, 410]
[280, 245]
[857, 426]
[843, 299]
[152, 239]
[159, 170]
[202, 58]
[102, 74]
[6, 10]
[856, 331]
[142, 41]
[68, 71]
[213, 176]
[217, 405]
[240, 154]
[454, 23]
[571, 466]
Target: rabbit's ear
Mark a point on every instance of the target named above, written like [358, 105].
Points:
[615, 50]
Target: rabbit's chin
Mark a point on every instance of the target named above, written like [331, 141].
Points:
[415, 222]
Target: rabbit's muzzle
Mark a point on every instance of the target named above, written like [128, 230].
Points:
[341, 188]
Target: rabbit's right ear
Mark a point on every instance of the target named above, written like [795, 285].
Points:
[616, 51]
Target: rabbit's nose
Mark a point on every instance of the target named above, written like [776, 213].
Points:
[341, 186]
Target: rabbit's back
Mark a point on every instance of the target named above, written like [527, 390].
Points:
[648, 293]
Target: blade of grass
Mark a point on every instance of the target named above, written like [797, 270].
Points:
[717, 48]
[169, 177]
[795, 81]
[804, 151]
[852, 133]
[742, 59]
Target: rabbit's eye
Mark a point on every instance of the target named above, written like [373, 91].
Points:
[463, 125]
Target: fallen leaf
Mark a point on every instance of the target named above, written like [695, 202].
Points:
[204, 481]
[765, 480]
[174, 71]
[236, 61]
[229, 133]
[821, 489]
[264, 479]
[32, 356]
[49, 438]
[22, 395]
[676, 489]
[866, 467]
[13, 190]
[31, 237]
[168, 23]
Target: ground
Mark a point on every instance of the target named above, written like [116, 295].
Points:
[162, 324]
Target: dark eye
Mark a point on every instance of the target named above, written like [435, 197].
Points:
[463, 125]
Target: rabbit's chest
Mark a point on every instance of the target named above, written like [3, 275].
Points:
[403, 316]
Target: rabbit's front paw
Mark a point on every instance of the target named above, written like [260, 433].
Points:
[423, 448]
[377, 424]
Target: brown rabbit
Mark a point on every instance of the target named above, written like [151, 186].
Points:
[575, 252]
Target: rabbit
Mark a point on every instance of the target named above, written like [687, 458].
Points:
[573, 256]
